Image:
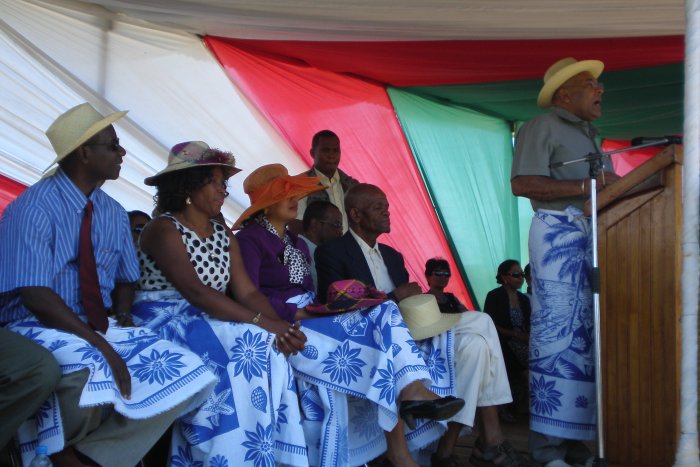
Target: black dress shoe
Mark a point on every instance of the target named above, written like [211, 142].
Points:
[438, 409]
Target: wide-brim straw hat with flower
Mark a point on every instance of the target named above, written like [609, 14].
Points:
[348, 295]
[195, 154]
[561, 72]
[422, 315]
[270, 184]
[75, 126]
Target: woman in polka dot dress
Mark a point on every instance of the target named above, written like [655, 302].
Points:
[357, 368]
[195, 291]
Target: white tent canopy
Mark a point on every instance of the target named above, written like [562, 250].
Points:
[351, 20]
[53, 58]
[144, 56]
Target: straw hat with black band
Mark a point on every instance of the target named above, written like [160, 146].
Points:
[270, 184]
[561, 72]
[421, 314]
[76, 126]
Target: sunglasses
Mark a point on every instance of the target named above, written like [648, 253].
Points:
[516, 275]
[113, 146]
[138, 228]
[442, 273]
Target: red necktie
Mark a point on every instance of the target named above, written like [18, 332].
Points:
[89, 283]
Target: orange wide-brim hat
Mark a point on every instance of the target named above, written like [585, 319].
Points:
[270, 184]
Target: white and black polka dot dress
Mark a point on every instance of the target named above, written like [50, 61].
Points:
[209, 257]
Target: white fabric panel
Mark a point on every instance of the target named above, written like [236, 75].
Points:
[363, 20]
[52, 58]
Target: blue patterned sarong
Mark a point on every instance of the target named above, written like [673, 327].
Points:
[162, 376]
[353, 368]
[252, 416]
[562, 373]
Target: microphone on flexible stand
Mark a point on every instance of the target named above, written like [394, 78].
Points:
[657, 140]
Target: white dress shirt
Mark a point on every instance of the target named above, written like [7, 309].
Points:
[336, 195]
[375, 261]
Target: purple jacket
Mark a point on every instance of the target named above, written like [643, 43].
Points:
[262, 254]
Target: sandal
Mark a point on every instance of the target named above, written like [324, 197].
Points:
[503, 454]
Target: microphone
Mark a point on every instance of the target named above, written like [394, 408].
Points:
[657, 140]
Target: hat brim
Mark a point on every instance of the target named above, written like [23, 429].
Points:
[153, 180]
[544, 99]
[301, 192]
[447, 321]
[89, 133]
[334, 307]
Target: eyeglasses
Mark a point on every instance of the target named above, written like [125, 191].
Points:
[592, 84]
[516, 275]
[114, 145]
[335, 225]
[138, 228]
[442, 273]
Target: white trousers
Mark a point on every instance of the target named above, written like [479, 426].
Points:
[479, 367]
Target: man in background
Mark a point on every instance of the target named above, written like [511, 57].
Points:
[322, 222]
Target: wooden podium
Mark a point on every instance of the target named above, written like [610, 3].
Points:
[639, 236]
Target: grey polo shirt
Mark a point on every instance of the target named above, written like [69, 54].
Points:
[553, 137]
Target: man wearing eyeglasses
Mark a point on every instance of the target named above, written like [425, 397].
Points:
[562, 405]
[322, 222]
[68, 257]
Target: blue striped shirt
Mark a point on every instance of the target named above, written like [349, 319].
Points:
[39, 235]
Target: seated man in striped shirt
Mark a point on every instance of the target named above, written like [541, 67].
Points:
[65, 244]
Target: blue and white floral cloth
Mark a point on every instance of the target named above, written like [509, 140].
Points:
[350, 374]
[252, 416]
[562, 376]
[162, 376]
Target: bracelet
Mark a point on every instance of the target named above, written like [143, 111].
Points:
[257, 317]
[583, 186]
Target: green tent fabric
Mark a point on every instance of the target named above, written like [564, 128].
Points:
[461, 138]
[465, 159]
[658, 90]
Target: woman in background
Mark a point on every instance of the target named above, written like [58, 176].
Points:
[510, 311]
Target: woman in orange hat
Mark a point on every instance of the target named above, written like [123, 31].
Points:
[190, 268]
[360, 371]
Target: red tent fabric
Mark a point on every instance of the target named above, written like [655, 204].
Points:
[432, 63]
[9, 190]
[624, 162]
[300, 100]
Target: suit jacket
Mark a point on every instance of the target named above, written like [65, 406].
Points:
[342, 258]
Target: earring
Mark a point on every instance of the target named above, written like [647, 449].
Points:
[188, 201]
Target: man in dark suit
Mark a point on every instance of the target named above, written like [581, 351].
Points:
[358, 255]
[481, 375]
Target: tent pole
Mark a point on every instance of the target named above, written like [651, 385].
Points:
[687, 453]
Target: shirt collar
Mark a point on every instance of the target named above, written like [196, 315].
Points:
[70, 191]
[366, 249]
[564, 114]
[325, 180]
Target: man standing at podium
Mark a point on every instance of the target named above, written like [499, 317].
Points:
[562, 373]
